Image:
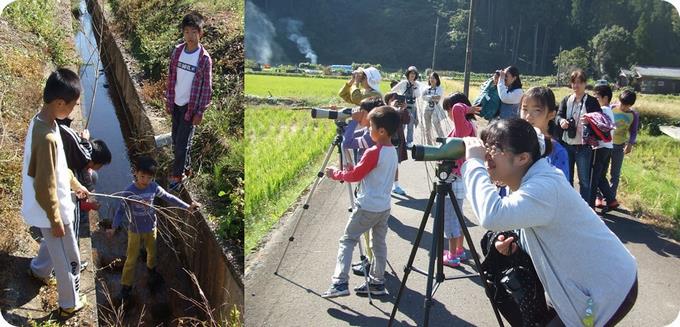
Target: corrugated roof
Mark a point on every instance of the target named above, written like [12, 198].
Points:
[661, 72]
[626, 72]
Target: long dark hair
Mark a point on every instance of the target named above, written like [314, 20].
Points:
[546, 99]
[436, 77]
[516, 136]
[517, 84]
[458, 97]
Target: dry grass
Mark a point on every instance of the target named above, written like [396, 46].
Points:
[23, 65]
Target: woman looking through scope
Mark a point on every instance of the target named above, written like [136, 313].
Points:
[554, 223]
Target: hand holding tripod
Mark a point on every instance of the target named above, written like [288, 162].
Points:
[437, 197]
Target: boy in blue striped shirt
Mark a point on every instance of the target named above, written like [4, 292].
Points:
[138, 211]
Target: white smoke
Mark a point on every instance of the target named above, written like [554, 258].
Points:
[294, 28]
[260, 33]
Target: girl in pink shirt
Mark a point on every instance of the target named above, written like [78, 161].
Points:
[461, 114]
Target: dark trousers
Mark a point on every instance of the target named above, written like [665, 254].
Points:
[600, 183]
[182, 132]
[581, 155]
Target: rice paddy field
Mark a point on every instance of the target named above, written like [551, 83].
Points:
[284, 147]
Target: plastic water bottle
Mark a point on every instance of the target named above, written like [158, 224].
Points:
[589, 319]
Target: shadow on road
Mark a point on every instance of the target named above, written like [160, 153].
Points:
[631, 230]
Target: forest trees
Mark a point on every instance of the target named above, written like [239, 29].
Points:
[526, 33]
[611, 50]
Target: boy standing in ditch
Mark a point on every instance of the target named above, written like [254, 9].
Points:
[138, 212]
[46, 186]
[188, 94]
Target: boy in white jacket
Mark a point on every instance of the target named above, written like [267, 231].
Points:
[47, 184]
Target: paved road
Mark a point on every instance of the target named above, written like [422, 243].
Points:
[293, 297]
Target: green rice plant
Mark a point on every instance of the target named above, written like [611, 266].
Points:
[282, 149]
[315, 91]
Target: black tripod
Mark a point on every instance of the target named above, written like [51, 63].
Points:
[345, 158]
[441, 188]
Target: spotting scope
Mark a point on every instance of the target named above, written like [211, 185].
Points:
[451, 148]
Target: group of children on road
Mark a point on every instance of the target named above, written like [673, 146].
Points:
[517, 155]
[60, 162]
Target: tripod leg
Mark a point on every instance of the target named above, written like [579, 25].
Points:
[475, 255]
[344, 162]
[438, 232]
[412, 256]
[363, 264]
[305, 206]
[435, 253]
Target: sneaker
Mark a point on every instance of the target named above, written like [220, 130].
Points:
[358, 268]
[175, 183]
[375, 289]
[599, 203]
[65, 313]
[336, 290]
[83, 265]
[49, 281]
[451, 261]
[409, 145]
[613, 205]
[462, 255]
[398, 190]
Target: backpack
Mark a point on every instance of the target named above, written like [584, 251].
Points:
[513, 284]
[489, 100]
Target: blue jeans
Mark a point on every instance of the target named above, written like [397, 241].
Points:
[182, 132]
[582, 156]
[617, 162]
[410, 126]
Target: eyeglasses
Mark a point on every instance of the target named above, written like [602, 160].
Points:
[494, 150]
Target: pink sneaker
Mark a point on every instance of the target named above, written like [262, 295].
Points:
[451, 260]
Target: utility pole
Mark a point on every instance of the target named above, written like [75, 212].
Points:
[436, 36]
[468, 49]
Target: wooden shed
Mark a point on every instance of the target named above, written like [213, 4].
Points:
[652, 80]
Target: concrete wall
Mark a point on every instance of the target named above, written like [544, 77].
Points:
[203, 255]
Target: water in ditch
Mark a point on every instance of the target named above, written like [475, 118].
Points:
[107, 121]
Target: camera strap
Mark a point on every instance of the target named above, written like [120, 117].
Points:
[580, 109]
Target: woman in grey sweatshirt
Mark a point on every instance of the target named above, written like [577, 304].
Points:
[589, 277]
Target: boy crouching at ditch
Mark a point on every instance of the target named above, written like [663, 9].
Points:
[376, 172]
[137, 209]
[47, 183]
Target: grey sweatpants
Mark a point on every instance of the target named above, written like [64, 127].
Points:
[182, 132]
[60, 254]
[360, 222]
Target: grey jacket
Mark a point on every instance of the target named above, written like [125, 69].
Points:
[575, 255]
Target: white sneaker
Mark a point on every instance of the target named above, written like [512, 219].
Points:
[409, 145]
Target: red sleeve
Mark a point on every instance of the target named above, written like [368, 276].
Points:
[368, 161]
[462, 127]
